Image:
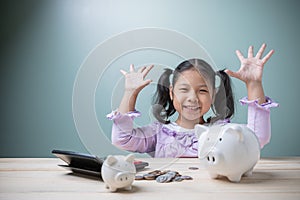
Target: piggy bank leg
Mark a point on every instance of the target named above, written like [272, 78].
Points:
[213, 175]
[128, 188]
[235, 178]
[112, 189]
[248, 173]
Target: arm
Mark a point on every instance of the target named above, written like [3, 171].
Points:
[250, 72]
[259, 118]
[125, 136]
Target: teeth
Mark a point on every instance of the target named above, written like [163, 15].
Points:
[192, 107]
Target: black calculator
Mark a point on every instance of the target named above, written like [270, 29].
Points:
[87, 164]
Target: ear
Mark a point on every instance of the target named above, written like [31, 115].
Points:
[200, 129]
[236, 129]
[171, 92]
[130, 158]
[111, 160]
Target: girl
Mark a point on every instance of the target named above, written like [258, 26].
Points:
[191, 92]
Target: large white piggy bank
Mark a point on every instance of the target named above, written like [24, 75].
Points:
[230, 150]
[118, 172]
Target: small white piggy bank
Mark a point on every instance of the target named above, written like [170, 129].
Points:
[230, 150]
[118, 172]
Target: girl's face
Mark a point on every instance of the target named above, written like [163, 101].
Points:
[191, 98]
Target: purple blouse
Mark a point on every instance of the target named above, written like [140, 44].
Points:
[171, 140]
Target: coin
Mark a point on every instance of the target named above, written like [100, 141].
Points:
[149, 176]
[164, 176]
[193, 168]
[187, 177]
[162, 179]
[167, 177]
[155, 172]
[139, 177]
[178, 179]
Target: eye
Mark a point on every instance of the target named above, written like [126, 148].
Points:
[203, 91]
[183, 89]
[207, 139]
[220, 139]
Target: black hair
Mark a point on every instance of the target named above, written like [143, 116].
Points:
[225, 95]
[223, 105]
[163, 108]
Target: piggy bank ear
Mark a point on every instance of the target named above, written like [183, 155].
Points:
[237, 130]
[111, 160]
[129, 158]
[199, 129]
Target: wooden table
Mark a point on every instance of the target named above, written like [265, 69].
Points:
[41, 178]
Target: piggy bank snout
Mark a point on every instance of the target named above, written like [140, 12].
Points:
[214, 158]
[124, 177]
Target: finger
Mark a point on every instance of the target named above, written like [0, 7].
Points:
[142, 69]
[131, 68]
[250, 52]
[239, 54]
[146, 82]
[123, 72]
[231, 73]
[268, 56]
[147, 70]
[261, 51]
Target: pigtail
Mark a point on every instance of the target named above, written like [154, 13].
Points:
[163, 106]
[224, 100]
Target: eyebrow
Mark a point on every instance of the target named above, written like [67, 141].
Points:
[184, 84]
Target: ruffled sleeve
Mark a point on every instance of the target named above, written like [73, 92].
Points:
[125, 136]
[123, 122]
[259, 118]
[267, 105]
[117, 115]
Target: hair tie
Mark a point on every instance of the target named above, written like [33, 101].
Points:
[218, 80]
[171, 79]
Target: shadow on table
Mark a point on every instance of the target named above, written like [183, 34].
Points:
[86, 176]
[256, 177]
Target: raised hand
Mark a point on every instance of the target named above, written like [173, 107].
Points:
[134, 83]
[251, 69]
[135, 80]
[251, 72]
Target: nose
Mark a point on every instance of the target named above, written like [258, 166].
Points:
[123, 177]
[193, 97]
[213, 158]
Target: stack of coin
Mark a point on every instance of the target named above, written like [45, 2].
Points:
[163, 176]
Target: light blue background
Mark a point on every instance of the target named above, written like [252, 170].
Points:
[44, 43]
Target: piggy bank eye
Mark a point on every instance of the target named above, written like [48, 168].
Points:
[207, 139]
[220, 139]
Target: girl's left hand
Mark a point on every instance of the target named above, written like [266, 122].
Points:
[251, 69]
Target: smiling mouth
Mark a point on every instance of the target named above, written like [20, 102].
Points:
[192, 108]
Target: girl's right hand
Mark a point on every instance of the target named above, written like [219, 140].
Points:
[134, 80]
